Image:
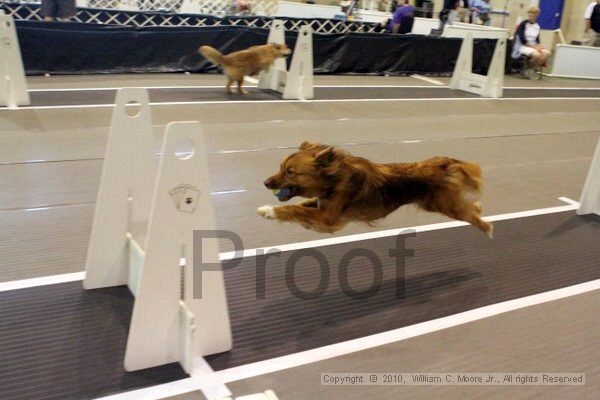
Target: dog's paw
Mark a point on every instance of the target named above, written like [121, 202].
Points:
[490, 231]
[267, 212]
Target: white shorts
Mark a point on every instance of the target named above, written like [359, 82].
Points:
[529, 51]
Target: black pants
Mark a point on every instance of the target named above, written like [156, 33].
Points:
[58, 8]
[444, 18]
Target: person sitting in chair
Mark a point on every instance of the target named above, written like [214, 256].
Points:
[403, 18]
[482, 10]
[527, 43]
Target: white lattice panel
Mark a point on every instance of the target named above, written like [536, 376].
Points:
[124, 12]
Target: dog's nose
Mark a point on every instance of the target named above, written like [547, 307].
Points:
[269, 183]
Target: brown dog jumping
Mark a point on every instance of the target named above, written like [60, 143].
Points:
[342, 188]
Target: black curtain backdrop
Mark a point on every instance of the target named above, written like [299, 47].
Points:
[74, 48]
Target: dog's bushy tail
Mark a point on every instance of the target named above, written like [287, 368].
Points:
[465, 174]
[212, 54]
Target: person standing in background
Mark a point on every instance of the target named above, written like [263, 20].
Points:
[58, 10]
[446, 15]
[592, 24]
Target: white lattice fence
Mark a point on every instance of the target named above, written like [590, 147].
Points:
[125, 12]
[211, 7]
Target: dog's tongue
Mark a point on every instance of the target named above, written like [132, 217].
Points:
[281, 193]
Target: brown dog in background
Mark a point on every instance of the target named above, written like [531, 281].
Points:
[343, 188]
[245, 62]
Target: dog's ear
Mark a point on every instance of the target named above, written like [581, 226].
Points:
[309, 146]
[326, 156]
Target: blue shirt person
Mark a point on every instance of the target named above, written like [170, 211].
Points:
[482, 10]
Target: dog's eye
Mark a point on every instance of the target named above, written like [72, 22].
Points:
[289, 172]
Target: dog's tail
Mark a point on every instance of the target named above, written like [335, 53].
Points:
[465, 174]
[212, 54]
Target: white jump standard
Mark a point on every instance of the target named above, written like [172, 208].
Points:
[13, 87]
[143, 225]
[297, 83]
[464, 79]
[590, 196]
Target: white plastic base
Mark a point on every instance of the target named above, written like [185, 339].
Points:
[13, 86]
[463, 78]
[590, 196]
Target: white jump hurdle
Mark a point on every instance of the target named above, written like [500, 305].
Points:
[13, 86]
[143, 225]
[297, 83]
[463, 78]
[582, 62]
[590, 196]
[460, 30]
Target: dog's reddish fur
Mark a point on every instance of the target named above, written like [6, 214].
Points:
[247, 62]
[342, 188]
